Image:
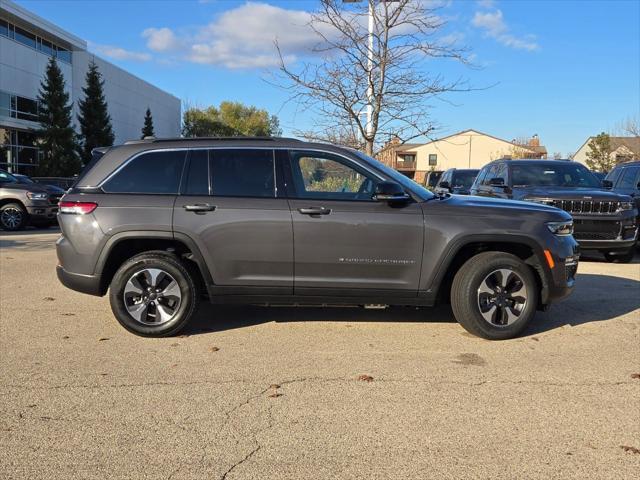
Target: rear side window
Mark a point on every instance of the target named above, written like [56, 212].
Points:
[242, 173]
[153, 172]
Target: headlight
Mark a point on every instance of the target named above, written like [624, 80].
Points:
[625, 206]
[544, 201]
[561, 228]
[37, 195]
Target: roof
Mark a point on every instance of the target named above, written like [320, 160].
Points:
[632, 143]
[540, 149]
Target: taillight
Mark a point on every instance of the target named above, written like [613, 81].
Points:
[77, 208]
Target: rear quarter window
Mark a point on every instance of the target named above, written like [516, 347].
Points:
[153, 173]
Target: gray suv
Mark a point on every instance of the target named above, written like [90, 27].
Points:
[161, 222]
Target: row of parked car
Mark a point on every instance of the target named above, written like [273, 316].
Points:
[604, 210]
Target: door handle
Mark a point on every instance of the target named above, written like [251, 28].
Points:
[200, 208]
[315, 211]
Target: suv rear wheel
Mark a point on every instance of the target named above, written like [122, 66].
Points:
[13, 217]
[153, 295]
[494, 295]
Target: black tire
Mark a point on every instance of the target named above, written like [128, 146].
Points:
[13, 217]
[624, 257]
[169, 264]
[465, 295]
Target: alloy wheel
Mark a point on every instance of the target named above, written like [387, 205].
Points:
[11, 218]
[152, 296]
[502, 297]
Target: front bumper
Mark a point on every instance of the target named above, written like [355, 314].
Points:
[42, 213]
[559, 280]
[606, 232]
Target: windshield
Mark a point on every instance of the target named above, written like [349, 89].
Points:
[553, 175]
[464, 178]
[7, 178]
[398, 177]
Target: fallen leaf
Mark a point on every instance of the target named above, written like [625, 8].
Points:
[104, 374]
[68, 314]
[630, 449]
[66, 337]
[174, 345]
[174, 365]
[365, 378]
[275, 395]
[48, 299]
[535, 339]
[213, 349]
[103, 339]
[274, 386]
[32, 405]
[635, 375]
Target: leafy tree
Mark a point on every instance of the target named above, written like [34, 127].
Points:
[95, 122]
[599, 155]
[147, 130]
[229, 119]
[56, 135]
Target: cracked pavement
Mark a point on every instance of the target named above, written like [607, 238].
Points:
[280, 398]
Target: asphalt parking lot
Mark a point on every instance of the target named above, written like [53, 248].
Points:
[251, 392]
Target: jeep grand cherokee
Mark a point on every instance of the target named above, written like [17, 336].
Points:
[279, 221]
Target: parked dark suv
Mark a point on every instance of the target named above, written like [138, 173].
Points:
[456, 180]
[625, 179]
[603, 220]
[280, 221]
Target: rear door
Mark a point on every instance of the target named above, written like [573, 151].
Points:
[230, 207]
[345, 243]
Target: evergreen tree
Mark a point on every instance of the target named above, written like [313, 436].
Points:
[599, 155]
[147, 130]
[95, 122]
[56, 135]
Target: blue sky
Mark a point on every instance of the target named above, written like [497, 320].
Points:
[562, 69]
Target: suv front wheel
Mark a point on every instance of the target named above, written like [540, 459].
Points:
[494, 295]
[153, 295]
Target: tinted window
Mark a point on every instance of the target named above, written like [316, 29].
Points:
[25, 37]
[242, 173]
[464, 178]
[489, 174]
[560, 174]
[153, 172]
[7, 177]
[628, 177]
[197, 181]
[613, 175]
[4, 28]
[323, 176]
[64, 55]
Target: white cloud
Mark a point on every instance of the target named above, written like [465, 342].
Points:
[486, 3]
[161, 39]
[242, 37]
[494, 26]
[118, 53]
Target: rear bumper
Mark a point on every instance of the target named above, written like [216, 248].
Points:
[89, 284]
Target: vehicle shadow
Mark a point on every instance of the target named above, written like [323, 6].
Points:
[30, 239]
[596, 298]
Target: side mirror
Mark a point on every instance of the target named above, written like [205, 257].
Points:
[607, 184]
[497, 182]
[446, 185]
[390, 192]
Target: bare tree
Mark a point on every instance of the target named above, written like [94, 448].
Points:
[351, 70]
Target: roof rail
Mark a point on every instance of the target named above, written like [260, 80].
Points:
[191, 139]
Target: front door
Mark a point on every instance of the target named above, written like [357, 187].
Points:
[229, 206]
[345, 243]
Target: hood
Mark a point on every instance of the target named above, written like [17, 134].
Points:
[485, 206]
[31, 187]
[569, 193]
[54, 190]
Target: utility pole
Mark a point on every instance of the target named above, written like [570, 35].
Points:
[370, 68]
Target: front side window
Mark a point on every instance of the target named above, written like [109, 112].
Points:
[433, 159]
[613, 175]
[489, 174]
[242, 173]
[152, 172]
[628, 177]
[323, 176]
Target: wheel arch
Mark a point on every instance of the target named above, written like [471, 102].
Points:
[123, 246]
[523, 247]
